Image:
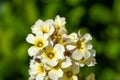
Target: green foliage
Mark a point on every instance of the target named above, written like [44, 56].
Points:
[98, 17]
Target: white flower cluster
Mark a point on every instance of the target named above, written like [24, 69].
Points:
[57, 55]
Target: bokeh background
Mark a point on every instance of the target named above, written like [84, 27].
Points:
[101, 18]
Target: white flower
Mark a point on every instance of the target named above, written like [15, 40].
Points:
[37, 70]
[73, 37]
[38, 41]
[51, 55]
[82, 48]
[66, 62]
[56, 72]
[91, 61]
[70, 73]
[59, 22]
[43, 27]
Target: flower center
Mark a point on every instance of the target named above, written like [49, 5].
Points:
[45, 30]
[50, 55]
[57, 36]
[69, 73]
[40, 68]
[39, 44]
[80, 44]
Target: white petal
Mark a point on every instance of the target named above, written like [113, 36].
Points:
[66, 63]
[39, 77]
[39, 22]
[87, 54]
[75, 77]
[49, 21]
[93, 52]
[89, 46]
[47, 67]
[52, 63]
[59, 48]
[91, 61]
[77, 55]
[55, 74]
[32, 51]
[30, 38]
[45, 43]
[35, 28]
[57, 19]
[75, 68]
[87, 37]
[79, 33]
[70, 47]
[40, 35]
[59, 51]
[51, 30]
[73, 36]
[82, 65]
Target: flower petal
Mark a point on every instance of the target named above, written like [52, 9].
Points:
[66, 63]
[70, 47]
[59, 51]
[39, 77]
[59, 48]
[32, 51]
[87, 37]
[75, 77]
[30, 38]
[93, 52]
[91, 61]
[87, 54]
[55, 74]
[77, 55]
[89, 46]
[75, 68]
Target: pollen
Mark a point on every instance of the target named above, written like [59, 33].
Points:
[39, 44]
[50, 55]
[40, 68]
[45, 30]
[69, 73]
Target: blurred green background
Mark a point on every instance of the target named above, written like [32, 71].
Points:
[101, 18]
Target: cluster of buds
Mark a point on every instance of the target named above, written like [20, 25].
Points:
[56, 54]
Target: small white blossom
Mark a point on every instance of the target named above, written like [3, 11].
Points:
[59, 22]
[82, 48]
[43, 27]
[66, 62]
[51, 55]
[73, 37]
[56, 72]
[38, 41]
[70, 73]
[91, 61]
[37, 70]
